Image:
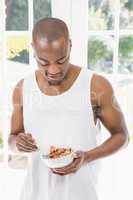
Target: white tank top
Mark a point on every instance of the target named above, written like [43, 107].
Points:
[62, 120]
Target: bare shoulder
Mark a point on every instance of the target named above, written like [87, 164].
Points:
[101, 88]
[101, 83]
[17, 93]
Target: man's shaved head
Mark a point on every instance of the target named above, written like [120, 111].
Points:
[50, 29]
[52, 46]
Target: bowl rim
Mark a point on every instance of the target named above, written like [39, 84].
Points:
[60, 158]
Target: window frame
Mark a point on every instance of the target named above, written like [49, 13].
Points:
[68, 11]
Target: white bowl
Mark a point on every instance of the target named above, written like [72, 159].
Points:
[57, 162]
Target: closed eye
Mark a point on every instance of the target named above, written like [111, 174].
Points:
[62, 61]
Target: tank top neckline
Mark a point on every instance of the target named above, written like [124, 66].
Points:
[76, 82]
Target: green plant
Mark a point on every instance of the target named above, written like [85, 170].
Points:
[42, 9]
[96, 20]
[17, 15]
[97, 50]
[129, 5]
[100, 15]
[108, 15]
[95, 3]
[126, 47]
[126, 54]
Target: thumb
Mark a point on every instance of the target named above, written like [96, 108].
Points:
[77, 154]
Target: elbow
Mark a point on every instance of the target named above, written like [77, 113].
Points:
[128, 140]
[125, 140]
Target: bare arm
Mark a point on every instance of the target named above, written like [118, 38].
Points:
[111, 117]
[18, 139]
[17, 116]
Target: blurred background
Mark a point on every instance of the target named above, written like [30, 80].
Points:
[102, 40]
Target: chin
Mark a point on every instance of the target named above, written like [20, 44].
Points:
[54, 82]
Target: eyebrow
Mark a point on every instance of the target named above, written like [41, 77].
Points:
[48, 60]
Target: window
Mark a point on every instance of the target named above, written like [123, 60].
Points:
[20, 17]
[110, 22]
[41, 9]
[17, 49]
[101, 15]
[100, 53]
[102, 40]
[16, 61]
[125, 54]
[126, 14]
[110, 53]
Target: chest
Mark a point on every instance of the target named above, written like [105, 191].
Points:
[56, 88]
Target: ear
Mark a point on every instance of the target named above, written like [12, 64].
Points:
[70, 43]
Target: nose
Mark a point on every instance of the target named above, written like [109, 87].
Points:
[54, 70]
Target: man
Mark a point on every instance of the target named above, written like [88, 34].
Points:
[59, 104]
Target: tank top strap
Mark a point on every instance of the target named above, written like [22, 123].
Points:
[88, 74]
[29, 89]
[29, 85]
[86, 92]
[85, 83]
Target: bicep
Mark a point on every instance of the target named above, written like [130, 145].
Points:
[110, 115]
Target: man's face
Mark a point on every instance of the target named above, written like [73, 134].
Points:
[52, 58]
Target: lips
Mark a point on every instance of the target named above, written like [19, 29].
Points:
[54, 76]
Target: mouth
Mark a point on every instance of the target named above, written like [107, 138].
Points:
[54, 77]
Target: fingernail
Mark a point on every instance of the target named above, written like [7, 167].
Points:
[76, 154]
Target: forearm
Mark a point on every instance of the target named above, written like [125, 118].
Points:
[110, 146]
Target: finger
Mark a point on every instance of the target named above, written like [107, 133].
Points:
[20, 149]
[70, 170]
[27, 136]
[64, 173]
[20, 145]
[25, 144]
[77, 154]
[23, 140]
[75, 161]
[70, 166]
[25, 147]
[58, 174]
[23, 134]
[65, 170]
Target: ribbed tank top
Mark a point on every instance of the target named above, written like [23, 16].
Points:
[64, 120]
